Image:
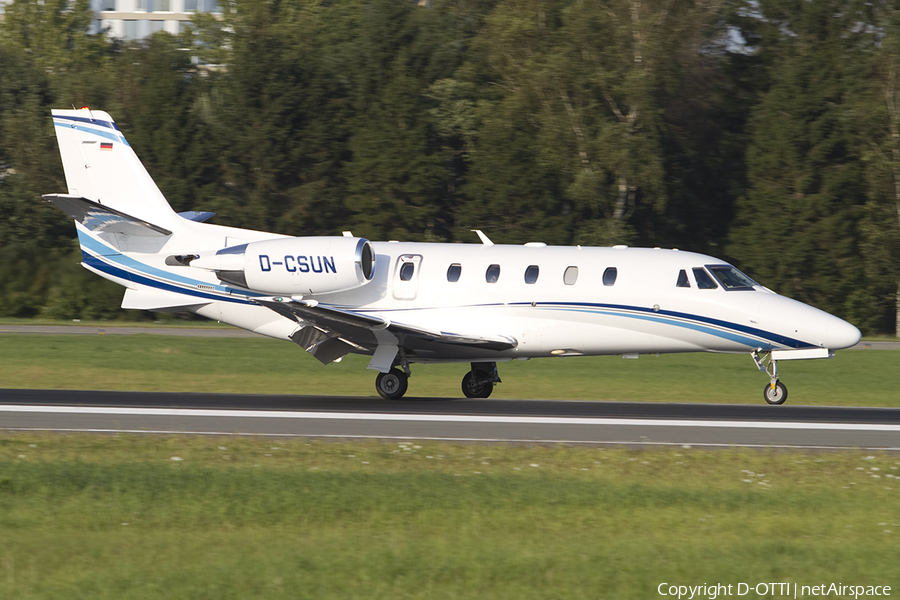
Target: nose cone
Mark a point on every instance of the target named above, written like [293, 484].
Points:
[804, 326]
[841, 334]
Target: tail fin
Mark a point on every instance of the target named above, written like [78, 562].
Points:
[100, 165]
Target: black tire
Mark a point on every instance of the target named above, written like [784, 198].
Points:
[392, 385]
[472, 388]
[776, 395]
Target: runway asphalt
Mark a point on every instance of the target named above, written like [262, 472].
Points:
[511, 421]
[536, 421]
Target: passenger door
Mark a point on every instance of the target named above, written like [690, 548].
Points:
[406, 276]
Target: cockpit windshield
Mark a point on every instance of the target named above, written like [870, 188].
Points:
[731, 278]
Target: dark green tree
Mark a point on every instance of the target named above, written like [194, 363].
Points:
[573, 122]
[798, 227]
[29, 159]
[877, 119]
[281, 114]
[48, 59]
[161, 104]
[397, 182]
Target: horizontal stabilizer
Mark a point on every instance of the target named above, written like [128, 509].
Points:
[197, 215]
[102, 219]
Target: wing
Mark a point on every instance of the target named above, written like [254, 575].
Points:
[329, 333]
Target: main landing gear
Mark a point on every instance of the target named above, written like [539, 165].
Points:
[477, 383]
[392, 385]
[775, 392]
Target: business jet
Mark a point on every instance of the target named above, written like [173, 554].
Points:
[404, 303]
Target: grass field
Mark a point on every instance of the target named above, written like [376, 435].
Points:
[99, 517]
[110, 517]
[261, 365]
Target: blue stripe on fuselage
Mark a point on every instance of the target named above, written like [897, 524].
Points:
[105, 267]
[109, 260]
[689, 321]
[708, 325]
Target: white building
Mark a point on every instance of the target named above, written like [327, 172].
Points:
[136, 19]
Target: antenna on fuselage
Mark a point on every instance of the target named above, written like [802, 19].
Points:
[484, 239]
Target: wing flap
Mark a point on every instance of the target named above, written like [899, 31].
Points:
[365, 331]
[325, 346]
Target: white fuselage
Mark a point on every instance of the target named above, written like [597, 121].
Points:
[567, 310]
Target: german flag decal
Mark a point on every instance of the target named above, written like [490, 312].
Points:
[106, 145]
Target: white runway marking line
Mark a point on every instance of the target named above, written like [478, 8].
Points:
[445, 418]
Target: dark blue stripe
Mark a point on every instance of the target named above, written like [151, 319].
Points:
[107, 124]
[768, 335]
[641, 311]
[100, 265]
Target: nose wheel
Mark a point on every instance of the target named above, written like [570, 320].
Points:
[775, 393]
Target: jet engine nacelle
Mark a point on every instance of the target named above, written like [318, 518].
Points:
[293, 266]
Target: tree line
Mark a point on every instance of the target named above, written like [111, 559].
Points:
[764, 132]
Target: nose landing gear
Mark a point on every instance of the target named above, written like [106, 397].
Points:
[775, 392]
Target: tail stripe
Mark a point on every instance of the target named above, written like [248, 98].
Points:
[60, 120]
[115, 137]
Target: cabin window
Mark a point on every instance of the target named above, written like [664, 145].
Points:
[454, 272]
[406, 271]
[570, 276]
[492, 274]
[531, 274]
[704, 281]
[683, 280]
[731, 278]
[609, 276]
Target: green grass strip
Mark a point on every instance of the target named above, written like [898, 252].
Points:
[98, 517]
[251, 365]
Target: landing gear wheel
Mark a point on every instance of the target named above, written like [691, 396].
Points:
[392, 385]
[776, 394]
[474, 387]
